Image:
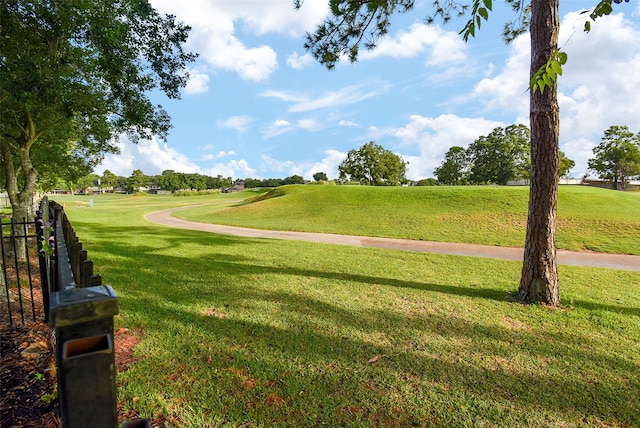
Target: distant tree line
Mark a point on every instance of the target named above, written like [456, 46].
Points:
[497, 158]
[169, 180]
[272, 182]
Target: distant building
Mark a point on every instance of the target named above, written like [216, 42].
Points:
[606, 184]
[237, 187]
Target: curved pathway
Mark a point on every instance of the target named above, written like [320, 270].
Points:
[613, 261]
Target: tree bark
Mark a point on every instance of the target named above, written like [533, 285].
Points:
[539, 281]
[20, 191]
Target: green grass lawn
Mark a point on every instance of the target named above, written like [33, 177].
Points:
[257, 332]
[588, 218]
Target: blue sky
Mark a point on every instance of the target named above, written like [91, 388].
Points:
[257, 105]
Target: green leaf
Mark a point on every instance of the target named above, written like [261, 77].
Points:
[562, 57]
[551, 74]
[488, 4]
[484, 13]
[587, 26]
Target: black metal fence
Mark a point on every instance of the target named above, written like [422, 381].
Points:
[78, 307]
[21, 263]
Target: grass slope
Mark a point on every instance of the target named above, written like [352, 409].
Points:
[588, 219]
[257, 332]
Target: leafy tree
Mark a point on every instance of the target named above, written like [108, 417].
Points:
[320, 176]
[454, 169]
[109, 179]
[353, 23]
[427, 182]
[136, 180]
[195, 181]
[566, 164]
[73, 76]
[374, 165]
[500, 156]
[617, 157]
[170, 180]
[294, 179]
[218, 182]
[87, 182]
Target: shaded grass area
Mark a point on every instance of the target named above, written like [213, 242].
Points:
[257, 332]
[588, 218]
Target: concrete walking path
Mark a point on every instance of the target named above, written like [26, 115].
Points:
[572, 258]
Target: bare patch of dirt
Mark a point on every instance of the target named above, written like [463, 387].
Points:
[28, 379]
[28, 376]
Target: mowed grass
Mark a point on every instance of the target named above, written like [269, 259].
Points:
[257, 332]
[588, 218]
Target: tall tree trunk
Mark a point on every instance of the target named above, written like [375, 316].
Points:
[20, 191]
[539, 281]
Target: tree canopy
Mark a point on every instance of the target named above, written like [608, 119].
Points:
[617, 157]
[74, 76]
[501, 156]
[320, 176]
[372, 164]
[497, 158]
[454, 169]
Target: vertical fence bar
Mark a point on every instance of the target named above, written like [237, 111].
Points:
[82, 258]
[5, 278]
[96, 280]
[28, 265]
[17, 267]
[87, 272]
[44, 259]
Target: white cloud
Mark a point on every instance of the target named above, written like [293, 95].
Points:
[239, 123]
[308, 124]
[433, 137]
[233, 169]
[329, 165]
[345, 96]
[220, 154]
[601, 80]
[279, 16]
[147, 156]
[215, 26]
[508, 90]
[347, 123]
[270, 164]
[299, 62]
[443, 47]
[598, 88]
[278, 127]
[198, 82]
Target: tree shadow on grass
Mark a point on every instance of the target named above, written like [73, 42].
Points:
[271, 349]
[295, 359]
[615, 309]
[174, 239]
